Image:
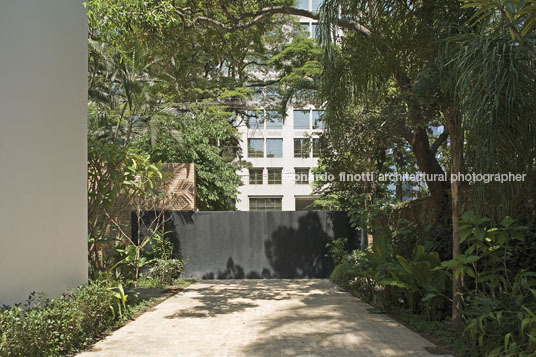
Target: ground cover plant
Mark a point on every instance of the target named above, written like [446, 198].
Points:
[499, 299]
[68, 324]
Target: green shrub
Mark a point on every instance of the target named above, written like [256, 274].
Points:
[500, 304]
[423, 282]
[167, 270]
[56, 327]
[343, 275]
[162, 247]
[363, 284]
[337, 249]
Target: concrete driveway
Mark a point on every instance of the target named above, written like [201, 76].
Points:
[262, 318]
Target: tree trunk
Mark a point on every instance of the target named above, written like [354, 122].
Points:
[454, 124]
[427, 162]
[364, 223]
[364, 239]
[399, 162]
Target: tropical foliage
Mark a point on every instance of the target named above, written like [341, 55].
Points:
[436, 87]
[499, 299]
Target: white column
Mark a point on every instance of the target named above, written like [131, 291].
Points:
[43, 170]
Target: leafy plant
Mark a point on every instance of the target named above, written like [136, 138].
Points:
[500, 303]
[343, 275]
[363, 284]
[162, 247]
[337, 249]
[423, 282]
[132, 257]
[167, 270]
[119, 300]
[487, 252]
[116, 176]
[57, 327]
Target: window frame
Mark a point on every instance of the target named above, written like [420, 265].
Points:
[308, 119]
[314, 122]
[317, 148]
[308, 207]
[318, 6]
[299, 153]
[257, 119]
[269, 204]
[254, 179]
[275, 175]
[304, 171]
[301, 7]
[269, 123]
[281, 147]
[257, 154]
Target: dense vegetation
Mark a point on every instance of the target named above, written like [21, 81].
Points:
[389, 84]
[442, 87]
[66, 325]
[437, 87]
[499, 296]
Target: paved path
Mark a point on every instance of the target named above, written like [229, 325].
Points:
[262, 318]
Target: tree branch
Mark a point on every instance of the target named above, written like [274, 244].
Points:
[440, 140]
[406, 133]
[258, 16]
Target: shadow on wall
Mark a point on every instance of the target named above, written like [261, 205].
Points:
[235, 271]
[258, 245]
[153, 220]
[299, 253]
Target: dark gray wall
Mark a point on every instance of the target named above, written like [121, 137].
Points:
[227, 245]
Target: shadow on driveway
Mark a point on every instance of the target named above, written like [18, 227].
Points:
[262, 318]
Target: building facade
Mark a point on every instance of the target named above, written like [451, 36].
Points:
[282, 154]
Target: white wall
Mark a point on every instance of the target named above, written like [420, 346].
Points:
[43, 105]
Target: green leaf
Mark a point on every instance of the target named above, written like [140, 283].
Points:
[524, 324]
[471, 259]
[428, 297]
[507, 340]
[507, 221]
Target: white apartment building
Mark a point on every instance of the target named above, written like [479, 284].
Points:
[282, 152]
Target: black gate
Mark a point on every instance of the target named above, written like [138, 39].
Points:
[254, 245]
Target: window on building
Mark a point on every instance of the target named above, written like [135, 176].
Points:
[314, 27]
[303, 4]
[301, 119]
[274, 176]
[273, 120]
[255, 120]
[265, 204]
[317, 147]
[305, 28]
[301, 176]
[302, 147]
[318, 122]
[315, 5]
[255, 176]
[274, 147]
[305, 203]
[255, 147]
